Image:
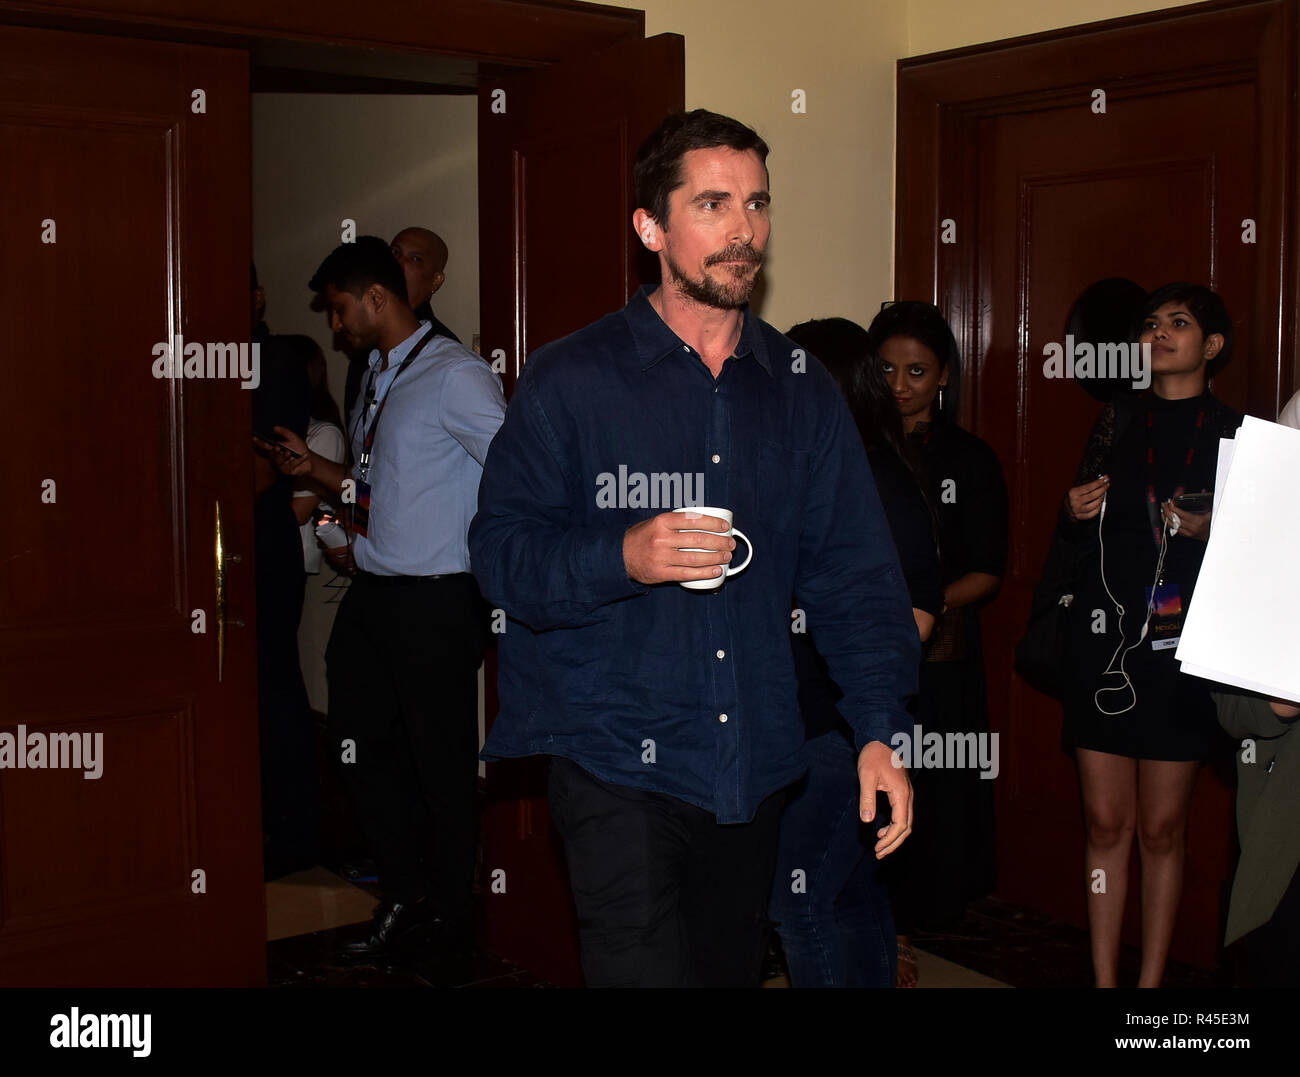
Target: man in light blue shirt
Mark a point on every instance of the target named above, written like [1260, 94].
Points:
[403, 657]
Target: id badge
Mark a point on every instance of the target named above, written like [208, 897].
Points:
[361, 511]
[1166, 617]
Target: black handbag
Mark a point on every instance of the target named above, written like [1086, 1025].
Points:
[1043, 654]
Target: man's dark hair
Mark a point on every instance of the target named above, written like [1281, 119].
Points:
[1203, 305]
[658, 169]
[253, 267]
[354, 267]
[924, 323]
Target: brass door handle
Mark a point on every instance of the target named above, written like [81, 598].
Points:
[223, 559]
[221, 597]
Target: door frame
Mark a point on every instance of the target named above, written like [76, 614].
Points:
[942, 97]
[510, 33]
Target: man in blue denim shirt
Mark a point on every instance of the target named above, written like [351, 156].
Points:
[671, 714]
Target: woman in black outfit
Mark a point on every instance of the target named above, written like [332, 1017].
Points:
[1139, 727]
[832, 912]
[950, 861]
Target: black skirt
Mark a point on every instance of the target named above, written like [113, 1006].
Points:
[1152, 710]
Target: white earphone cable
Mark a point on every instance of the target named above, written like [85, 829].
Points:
[1122, 652]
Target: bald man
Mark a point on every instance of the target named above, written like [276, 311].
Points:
[423, 257]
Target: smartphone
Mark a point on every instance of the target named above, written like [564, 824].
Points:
[277, 443]
[1195, 503]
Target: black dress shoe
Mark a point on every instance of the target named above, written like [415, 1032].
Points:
[392, 920]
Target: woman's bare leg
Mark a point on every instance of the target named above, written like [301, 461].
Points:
[1164, 797]
[1110, 812]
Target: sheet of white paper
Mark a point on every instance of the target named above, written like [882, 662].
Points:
[1226, 445]
[1232, 680]
[1243, 624]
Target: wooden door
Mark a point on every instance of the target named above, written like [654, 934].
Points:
[124, 207]
[1048, 194]
[557, 251]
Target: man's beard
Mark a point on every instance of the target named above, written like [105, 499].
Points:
[732, 292]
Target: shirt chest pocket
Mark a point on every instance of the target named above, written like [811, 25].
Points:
[782, 486]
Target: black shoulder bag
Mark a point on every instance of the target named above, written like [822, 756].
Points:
[1042, 656]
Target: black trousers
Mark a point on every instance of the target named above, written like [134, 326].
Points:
[290, 776]
[666, 896]
[402, 665]
[1273, 949]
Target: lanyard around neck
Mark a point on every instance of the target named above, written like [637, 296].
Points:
[364, 462]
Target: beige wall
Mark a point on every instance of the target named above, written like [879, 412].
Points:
[832, 168]
[385, 162]
[933, 25]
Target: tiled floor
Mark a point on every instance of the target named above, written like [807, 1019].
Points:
[310, 912]
[308, 961]
[1026, 949]
[933, 971]
[313, 900]
[996, 945]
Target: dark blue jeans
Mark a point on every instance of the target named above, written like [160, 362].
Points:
[834, 921]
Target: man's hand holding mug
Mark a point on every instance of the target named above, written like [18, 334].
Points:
[690, 546]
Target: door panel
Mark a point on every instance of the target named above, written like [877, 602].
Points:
[1048, 197]
[1080, 211]
[556, 248]
[132, 164]
[557, 251]
[101, 572]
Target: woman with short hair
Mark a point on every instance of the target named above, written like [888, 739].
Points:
[1138, 517]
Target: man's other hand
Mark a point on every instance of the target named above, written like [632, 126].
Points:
[877, 772]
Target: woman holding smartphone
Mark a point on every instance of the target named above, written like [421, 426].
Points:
[1138, 517]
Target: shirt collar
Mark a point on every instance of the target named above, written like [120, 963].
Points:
[399, 352]
[655, 340]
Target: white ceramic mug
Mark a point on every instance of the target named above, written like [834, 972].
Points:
[722, 514]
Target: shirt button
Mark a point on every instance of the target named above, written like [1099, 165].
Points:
[717, 459]
[722, 654]
[722, 717]
[686, 348]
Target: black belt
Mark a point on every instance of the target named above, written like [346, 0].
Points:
[391, 581]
